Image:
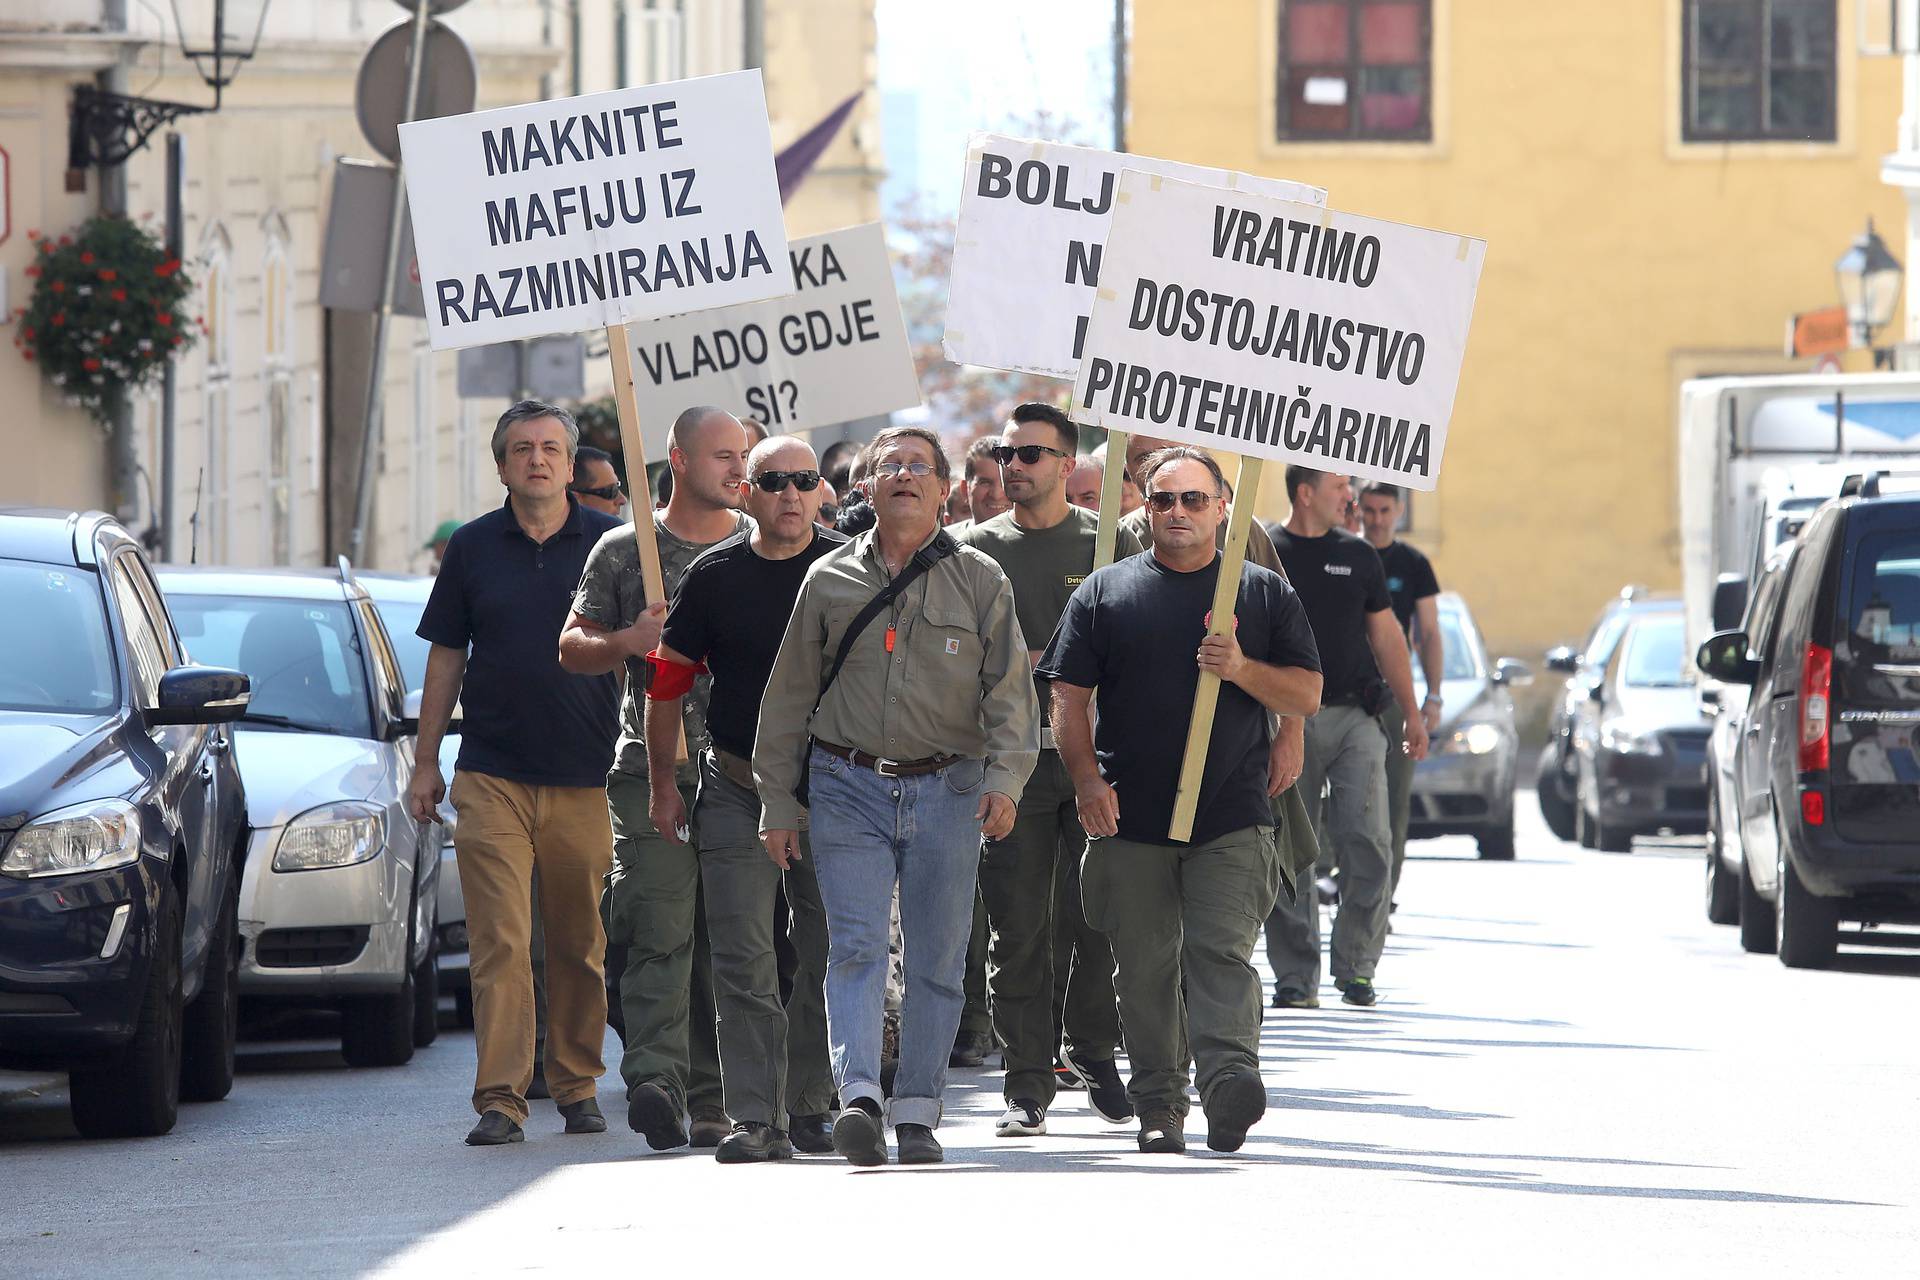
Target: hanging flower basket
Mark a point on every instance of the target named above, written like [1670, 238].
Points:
[106, 311]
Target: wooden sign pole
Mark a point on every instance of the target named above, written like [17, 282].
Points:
[1226, 594]
[1110, 482]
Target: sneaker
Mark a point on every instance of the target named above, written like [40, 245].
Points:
[858, 1137]
[1329, 890]
[751, 1143]
[1162, 1133]
[1232, 1107]
[970, 1049]
[652, 1115]
[1357, 991]
[917, 1144]
[1025, 1118]
[1106, 1091]
[1295, 998]
[1064, 1076]
[709, 1127]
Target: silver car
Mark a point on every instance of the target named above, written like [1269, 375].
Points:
[1465, 785]
[337, 897]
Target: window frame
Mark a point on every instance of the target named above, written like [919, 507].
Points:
[1283, 137]
[1690, 135]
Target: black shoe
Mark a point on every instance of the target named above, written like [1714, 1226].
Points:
[652, 1115]
[1232, 1107]
[812, 1134]
[709, 1126]
[583, 1116]
[1105, 1090]
[752, 1142]
[495, 1130]
[917, 1144]
[1162, 1133]
[857, 1136]
[970, 1049]
[1358, 991]
[1295, 998]
[1064, 1076]
[537, 1088]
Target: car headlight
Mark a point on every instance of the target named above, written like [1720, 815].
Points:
[1477, 739]
[86, 837]
[1622, 738]
[333, 835]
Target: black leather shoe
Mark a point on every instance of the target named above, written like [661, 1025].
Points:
[495, 1130]
[537, 1088]
[583, 1116]
[752, 1142]
[857, 1136]
[1232, 1107]
[1162, 1133]
[652, 1115]
[970, 1049]
[709, 1126]
[812, 1135]
[1295, 998]
[917, 1144]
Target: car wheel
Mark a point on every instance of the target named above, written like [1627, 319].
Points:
[1756, 915]
[138, 1096]
[463, 1007]
[426, 998]
[377, 1031]
[213, 1019]
[1809, 925]
[1723, 894]
[1556, 798]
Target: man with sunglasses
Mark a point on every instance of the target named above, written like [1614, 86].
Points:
[1030, 878]
[652, 903]
[1182, 917]
[912, 747]
[595, 483]
[727, 617]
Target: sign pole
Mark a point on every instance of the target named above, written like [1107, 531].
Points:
[1110, 482]
[1226, 594]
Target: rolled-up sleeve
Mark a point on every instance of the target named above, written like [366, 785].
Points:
[1009, 709]
[780, 739]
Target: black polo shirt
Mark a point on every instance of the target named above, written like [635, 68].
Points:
[505, 598]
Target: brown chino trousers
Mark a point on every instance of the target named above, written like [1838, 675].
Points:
[509, 834]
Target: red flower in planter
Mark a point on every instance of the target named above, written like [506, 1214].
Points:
[165, 317]
[90, 364]
[109, 274]
[86, 258]
[119, 295]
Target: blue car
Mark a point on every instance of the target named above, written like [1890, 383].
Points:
[122, 828]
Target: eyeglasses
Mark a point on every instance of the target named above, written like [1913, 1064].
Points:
[606, 492]
[893, 470]
[775, 481]
[1027, 453]
[1162, 500]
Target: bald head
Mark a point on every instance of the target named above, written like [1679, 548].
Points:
[692, 423]
[781, 453]
[707, 451]
[1083, 484]
[784, 516]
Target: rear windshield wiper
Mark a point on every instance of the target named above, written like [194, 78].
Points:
[285, 722]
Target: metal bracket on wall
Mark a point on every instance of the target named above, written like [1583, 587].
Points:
[106, 128]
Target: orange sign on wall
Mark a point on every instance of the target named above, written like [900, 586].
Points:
[1819, 333]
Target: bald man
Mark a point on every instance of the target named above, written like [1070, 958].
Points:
[1083, 484]
[1130, 499]
[652, 905]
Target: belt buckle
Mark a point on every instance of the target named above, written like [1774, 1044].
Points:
[886, 768]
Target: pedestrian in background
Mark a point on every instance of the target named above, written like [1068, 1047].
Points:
[1129, 491]
[1083, 484]
[985, 498]
[596, 484]
[912, 735]
[1183, 917]
[528, 786]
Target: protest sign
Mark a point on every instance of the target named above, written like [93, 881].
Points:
[584, 213]
[834, 351]
[1027, 251]
[1279, 330]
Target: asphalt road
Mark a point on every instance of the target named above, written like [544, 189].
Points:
[1570, 1073]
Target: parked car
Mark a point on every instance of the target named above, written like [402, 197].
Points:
[1827, 776]
[337, 898]
[401, 599]
[122, 829]
[1465, 785]
[1557, 769]
[1640, 739]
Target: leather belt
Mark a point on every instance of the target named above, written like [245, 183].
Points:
[736, 769]
[884, 767]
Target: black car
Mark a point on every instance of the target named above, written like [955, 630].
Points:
[122, 823]
[1827, 772]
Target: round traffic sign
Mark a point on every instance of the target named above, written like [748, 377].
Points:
[435, 7]
[449, 82]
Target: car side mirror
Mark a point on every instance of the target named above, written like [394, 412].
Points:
[1597, 691]
[1729, 601]
[1513, 673]
[408, 725]
[200, 695]
[1723, 657]
[1563, 659]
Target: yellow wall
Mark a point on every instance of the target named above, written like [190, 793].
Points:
[1619, 261]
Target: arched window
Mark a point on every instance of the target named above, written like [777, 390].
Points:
[209, 495]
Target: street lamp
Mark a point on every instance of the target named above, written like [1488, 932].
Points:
[219, 35]
[1869, 278]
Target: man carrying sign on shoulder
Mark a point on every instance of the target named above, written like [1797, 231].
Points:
[1180, 916]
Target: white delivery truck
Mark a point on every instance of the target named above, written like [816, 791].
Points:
[1758, 454]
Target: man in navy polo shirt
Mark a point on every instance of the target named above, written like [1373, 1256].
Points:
[530, 783]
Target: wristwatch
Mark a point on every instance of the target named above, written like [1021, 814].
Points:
[1432, 699]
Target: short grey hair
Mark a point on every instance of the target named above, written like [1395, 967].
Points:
[527, 411]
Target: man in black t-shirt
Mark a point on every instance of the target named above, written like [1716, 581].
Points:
[1414, 589]
[1364, 655]
[1182, 917]
[728, 615]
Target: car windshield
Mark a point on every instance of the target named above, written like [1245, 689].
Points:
[1460, 656]
[53, 633]
[1884, 609]
[1656, 655]
[1599, 650]
[302, 655]
[400, 618]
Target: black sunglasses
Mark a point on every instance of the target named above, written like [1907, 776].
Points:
[775, 481]
[606, 492]
[1027, 453]
[1162, 500]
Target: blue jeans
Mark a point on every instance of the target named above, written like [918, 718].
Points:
[867, 832]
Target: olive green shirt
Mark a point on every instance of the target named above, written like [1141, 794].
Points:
[1260, 548]
[956, 680]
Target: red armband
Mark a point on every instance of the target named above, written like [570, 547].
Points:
[671, 679]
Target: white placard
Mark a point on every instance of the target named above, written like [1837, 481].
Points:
[1026, 254]
[579, 213]
[834, 351]
[1278, 329]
